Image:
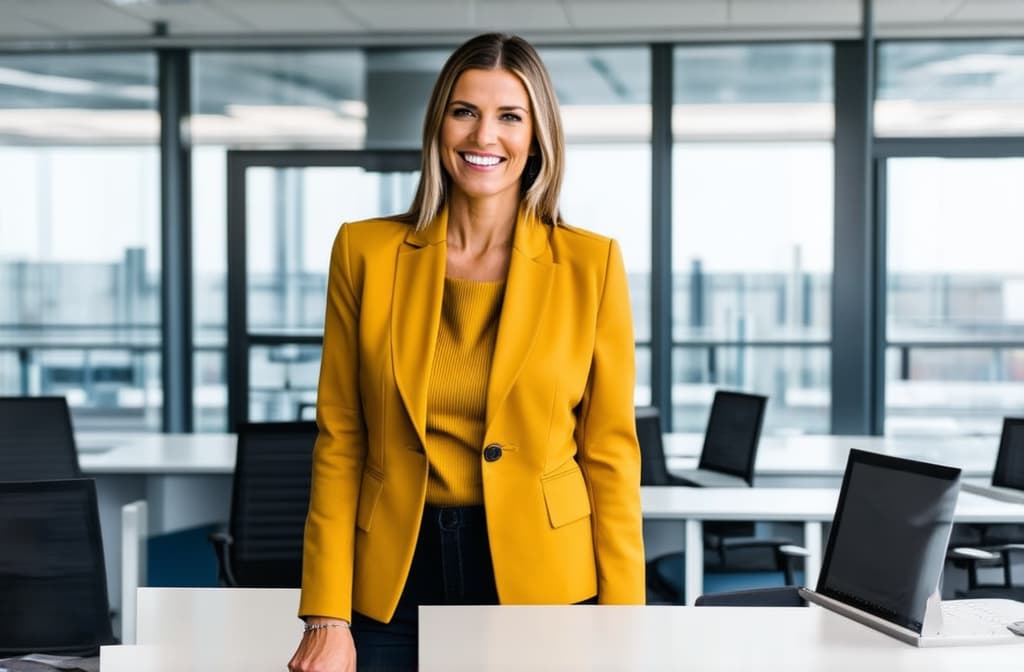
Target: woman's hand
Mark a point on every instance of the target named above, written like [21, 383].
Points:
[325, 650]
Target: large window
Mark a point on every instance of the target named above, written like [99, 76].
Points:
[950, 88]
[79, 235]
[605, 100]
[955, 327]
[752, 230]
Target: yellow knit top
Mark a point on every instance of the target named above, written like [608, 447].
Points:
[457, 392]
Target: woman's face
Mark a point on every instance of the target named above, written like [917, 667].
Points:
[487, 134]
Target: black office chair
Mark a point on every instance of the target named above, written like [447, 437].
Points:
[784, 596]
[653, 464]
[36, 439]
[995, 546]
[53, 582]
[733, 544]
[269, 500]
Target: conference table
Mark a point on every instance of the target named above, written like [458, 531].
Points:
[255, 630]
[811, 506]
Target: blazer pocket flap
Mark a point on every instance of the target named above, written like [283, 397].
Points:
[566, 497]
[369, 493]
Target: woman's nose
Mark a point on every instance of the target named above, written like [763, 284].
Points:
[485, 133]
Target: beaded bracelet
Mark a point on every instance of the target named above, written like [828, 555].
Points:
[313, 627]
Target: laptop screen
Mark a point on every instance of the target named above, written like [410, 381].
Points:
[888, 540]
[1009, 471]
[734, 428]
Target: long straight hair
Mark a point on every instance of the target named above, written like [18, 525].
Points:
[541, 182]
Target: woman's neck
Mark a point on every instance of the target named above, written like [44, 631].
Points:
[478, 225]
[480, 237]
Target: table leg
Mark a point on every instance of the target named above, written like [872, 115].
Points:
[693, 580]
[813, 543]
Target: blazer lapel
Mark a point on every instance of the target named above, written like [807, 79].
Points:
[416, 315]
[527, 289]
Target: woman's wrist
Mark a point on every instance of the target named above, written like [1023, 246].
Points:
[321, 622]
[313, 627]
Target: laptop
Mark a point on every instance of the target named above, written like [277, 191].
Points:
[885, 555]
[730, 442]
[1008, 475]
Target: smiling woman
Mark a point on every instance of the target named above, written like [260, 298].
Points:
[477, 442]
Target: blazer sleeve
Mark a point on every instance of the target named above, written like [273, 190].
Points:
[607, 446]
[340, 450]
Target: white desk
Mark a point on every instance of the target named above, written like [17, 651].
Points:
[811, 506]
[206, 629]
[705, 639]
[778, 456]
[797, 459]
[236, 630]
[161, 454]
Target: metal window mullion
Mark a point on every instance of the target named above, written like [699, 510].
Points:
[881, 288]
[854, 298]
[176, 239]
[661, 231]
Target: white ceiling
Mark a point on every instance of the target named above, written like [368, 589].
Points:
[27, 23]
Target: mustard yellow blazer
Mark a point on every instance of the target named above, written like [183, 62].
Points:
[563, 499]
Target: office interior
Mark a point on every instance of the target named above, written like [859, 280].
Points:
[818, 201]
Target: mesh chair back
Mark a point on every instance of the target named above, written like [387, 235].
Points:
[732, 434]
[652, 452]
[1009, 471]
[53, 582]
[270, 498]
[36, 440]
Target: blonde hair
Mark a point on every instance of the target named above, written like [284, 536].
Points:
[542, 177]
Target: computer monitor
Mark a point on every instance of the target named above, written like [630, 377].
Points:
[887, 545]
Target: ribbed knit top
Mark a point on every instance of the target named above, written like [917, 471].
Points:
[457, 392]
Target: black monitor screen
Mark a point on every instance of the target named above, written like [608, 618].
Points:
[734, 428]
[1009, 471]
[888, 541]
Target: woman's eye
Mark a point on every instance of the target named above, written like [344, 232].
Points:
[462, 112]
[509, 116]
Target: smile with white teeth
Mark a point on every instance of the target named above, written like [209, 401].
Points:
[482, 160]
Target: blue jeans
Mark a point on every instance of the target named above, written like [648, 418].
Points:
[451, 565]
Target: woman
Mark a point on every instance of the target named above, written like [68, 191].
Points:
[477, 442]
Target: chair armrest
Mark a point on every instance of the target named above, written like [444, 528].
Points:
[794, 551]
[972, 554]
[221, 546]
[730, 543]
